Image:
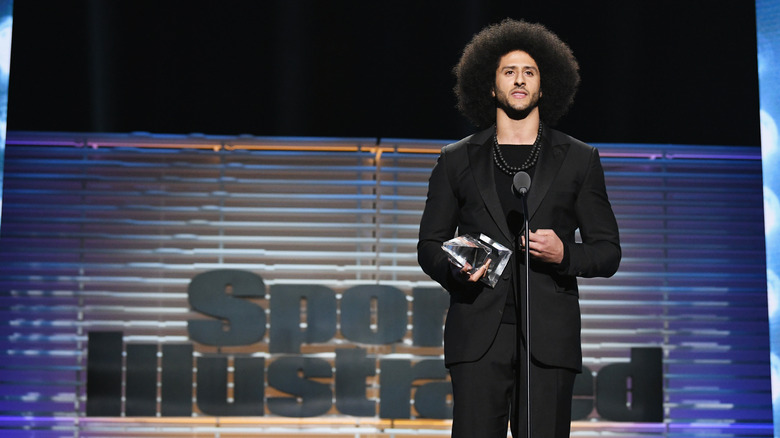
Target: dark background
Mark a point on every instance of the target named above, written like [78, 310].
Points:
[660, 71]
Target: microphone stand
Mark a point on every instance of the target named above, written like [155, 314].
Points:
[526, 316]
[521, 183]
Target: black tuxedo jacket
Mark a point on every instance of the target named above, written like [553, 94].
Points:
[568, 193]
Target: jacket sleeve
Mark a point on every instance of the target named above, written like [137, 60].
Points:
[599, 253]
[438, 224]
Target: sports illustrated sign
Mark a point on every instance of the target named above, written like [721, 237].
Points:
[279, 379]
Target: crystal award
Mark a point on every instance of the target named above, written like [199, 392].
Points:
[467, 249]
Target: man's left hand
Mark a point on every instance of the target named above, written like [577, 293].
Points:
[545, 245]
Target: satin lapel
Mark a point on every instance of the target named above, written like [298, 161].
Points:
[550, 160]
[481, 163]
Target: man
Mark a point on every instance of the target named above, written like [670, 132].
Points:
[516, 79]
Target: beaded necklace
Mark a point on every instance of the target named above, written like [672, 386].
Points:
[530, 161]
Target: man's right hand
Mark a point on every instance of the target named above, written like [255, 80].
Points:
[479, 273]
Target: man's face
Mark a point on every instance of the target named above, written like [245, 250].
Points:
[518, 84]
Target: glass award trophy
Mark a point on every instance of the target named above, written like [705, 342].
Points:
[467, 249]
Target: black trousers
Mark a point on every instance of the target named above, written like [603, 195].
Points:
[483, 394]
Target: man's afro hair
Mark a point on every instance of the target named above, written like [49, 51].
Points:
[476, 70]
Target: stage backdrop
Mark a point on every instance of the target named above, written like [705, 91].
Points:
[767, 19]
[6, 27]
[157, 285]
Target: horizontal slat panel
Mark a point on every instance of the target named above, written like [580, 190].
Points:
[108, 238]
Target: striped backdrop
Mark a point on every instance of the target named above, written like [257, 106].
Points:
[104, 232]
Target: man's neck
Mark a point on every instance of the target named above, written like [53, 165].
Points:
[517, 131]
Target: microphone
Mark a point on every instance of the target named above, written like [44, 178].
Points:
[521, 183]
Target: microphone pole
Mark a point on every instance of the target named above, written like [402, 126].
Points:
[520, 185]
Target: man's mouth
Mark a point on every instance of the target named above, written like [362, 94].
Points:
[519, 94]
